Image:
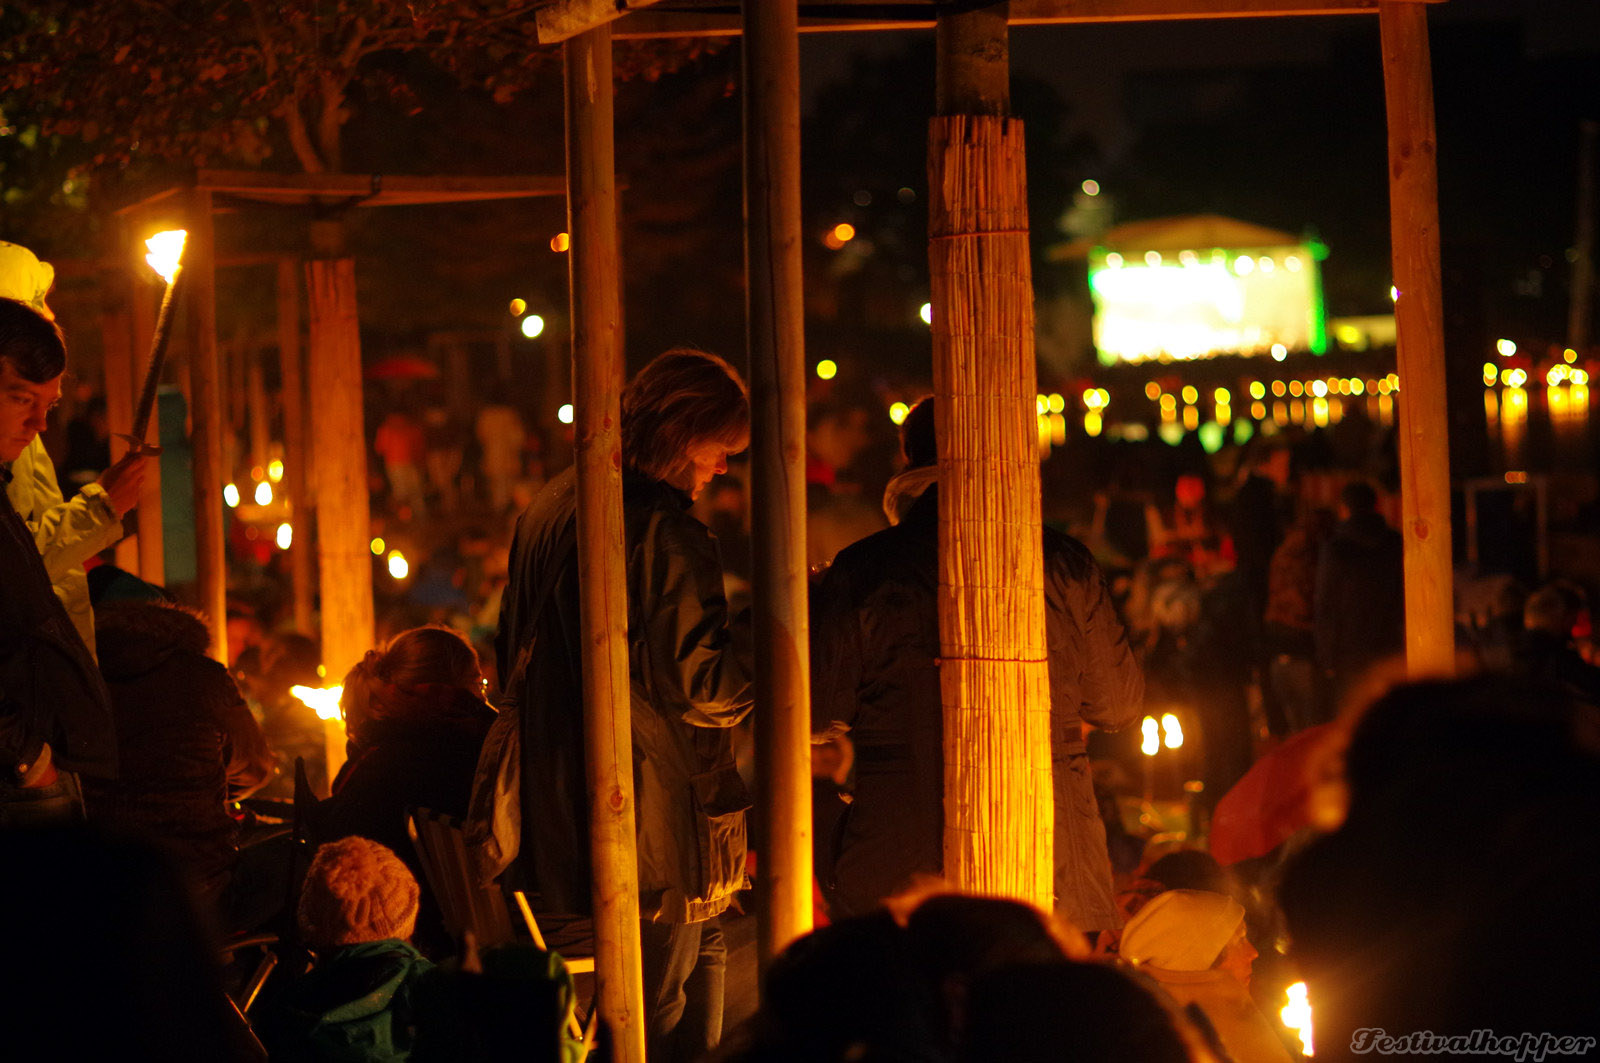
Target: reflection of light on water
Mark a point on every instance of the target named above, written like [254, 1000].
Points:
[1386, 409]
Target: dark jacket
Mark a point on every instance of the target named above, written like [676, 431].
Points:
[690, 684]
[875, 646]
[357, 1005]
[186, 742]
[50, 690]
[1360, 597]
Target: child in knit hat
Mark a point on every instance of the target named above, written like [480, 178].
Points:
[357, 910]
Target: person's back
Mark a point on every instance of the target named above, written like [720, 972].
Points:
[1360, 604]
[416, 720]
[875, 647]
[186, 742]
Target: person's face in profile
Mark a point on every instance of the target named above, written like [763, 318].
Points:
[706, 460]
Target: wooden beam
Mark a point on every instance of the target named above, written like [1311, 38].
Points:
[594, 262]
[1419, 357]
[565, 19]
[374, 189]
[657, 24]
[775, 323]
[205, 415]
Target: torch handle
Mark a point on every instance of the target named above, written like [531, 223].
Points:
[158, 356]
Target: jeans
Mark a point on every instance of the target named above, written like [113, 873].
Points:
[55, 805]
[684, 968]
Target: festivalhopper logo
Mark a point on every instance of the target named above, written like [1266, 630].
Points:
[1524, 1047]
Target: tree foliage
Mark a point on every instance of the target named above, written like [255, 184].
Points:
[209, 81]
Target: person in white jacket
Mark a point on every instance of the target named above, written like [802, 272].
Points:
[67, 533]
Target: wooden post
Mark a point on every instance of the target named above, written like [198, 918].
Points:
[1581, 307]
[598, 377]
[775, 324]
[1419, 322]
[121, 380]
[296, 455]
[151, 542]
[205, 386]
[343, 516]
[998, 808]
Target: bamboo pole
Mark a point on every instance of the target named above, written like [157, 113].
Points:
[116, 340]
[343, 515]
[151, 540]
[205, 387]
[1419, 322]
[998, 806]
[296, 455]
[776, 329]
[603, 594]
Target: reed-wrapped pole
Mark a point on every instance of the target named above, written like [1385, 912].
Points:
[998, 809]
[775, 324]
[597, 375]
[344, 517]
[296, 455]
[205, 415]
[1419, 323]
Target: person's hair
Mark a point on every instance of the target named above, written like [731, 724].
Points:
[1064, 1010]
[1554, 608]
[682, 399]
[1359, 498]
[31, 343]
[400, 680]
[918, 439]
[1189, 869]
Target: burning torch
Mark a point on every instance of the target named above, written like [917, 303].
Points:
[166, 258]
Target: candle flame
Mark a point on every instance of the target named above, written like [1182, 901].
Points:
[1151, 734]
[1171, 731]
[324, 701]
[166, 252]
[1296, 1015]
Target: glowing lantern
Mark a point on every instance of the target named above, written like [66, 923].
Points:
[230, 495]
[566, 413]
[532, 326]
[275, 470]
[285, 536]
[378, 547]
[263, 493]
[827, 369]
[1171, 731]
[399, 568]
[898, 412]
[1151, 731]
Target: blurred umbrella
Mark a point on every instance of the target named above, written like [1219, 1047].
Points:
[1281, 793]
[402, 367]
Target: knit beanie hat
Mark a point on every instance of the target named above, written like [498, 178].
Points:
[357, 891]
[1182, 930]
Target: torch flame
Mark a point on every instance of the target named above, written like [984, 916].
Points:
[166, 252]
[324, 701]
[1296, 1015]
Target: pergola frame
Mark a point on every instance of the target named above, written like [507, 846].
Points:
[1414, 236]
[193, 205]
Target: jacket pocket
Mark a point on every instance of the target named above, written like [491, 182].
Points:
[720, 802]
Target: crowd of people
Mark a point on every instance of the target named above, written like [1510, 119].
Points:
[1435, 880]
